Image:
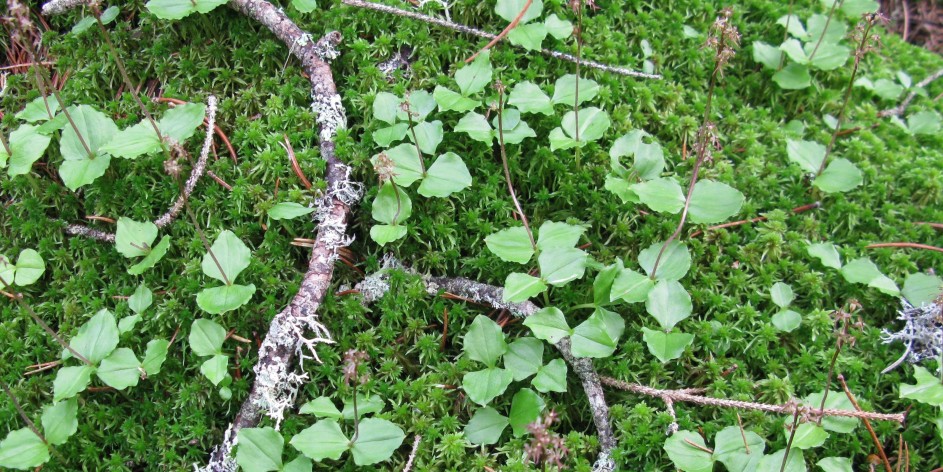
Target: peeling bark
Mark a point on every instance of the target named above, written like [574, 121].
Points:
[375, 286]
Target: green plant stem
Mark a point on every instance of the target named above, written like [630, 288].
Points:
[6, 145]
[44, 89]
[792, 435]
[199, 231]
[353, 439]
[412, 130]
[701, 154]
[106, 35]
[19, 409]
[828, 377]
[29, 310]
[844, 105]
[399, 203]
[782, 54]
[831, 13]
[507, 170]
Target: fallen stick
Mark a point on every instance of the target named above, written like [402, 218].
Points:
[483, 34]
[899, 109]
[375, 286]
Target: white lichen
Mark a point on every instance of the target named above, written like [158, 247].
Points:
[331, 116]
[56, 7]
[922, 333]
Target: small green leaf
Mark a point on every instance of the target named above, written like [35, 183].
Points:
[384, 234]
[793, 77]
[827, 254]
[215, 368]
[474, 77]
[922, 289]
[808, 154]
[484, 341]
[840, 176]
[447, 175]
[486, 426]
[377, 441]
[551, 377]
[787, 320]
[863, 271]
[529, 98]
[520, 287]
[924, 123]
[153, 257]
[154, 356]
[631, 286]
[597, 336]
[674, 263]
[766, 55]
[70, 381]
[510, 9]
[564, 91]
[288, 210]
[133, 239]
[224, 298]
[663, 195]
[96, 130]
[391, 134]
[560, 265]
[322, 407]
[782, 294]
[386, 106]
[529, 36]
[687, 457]
[76, 173]
[669, 303]
[835, 464]
[206, 337]
[134, 141]
[230, 253]
[428, 134]
[259, 449]
[407, 165]
[59, 421]
[829, 56]
[484, 385]
[27, 146]
[560, 29]
[7, 270]
[558, 235]
[928, 388]
[121, 369]
[793, 49]
[548, 324]
[391, 206]
[511, 245]
[820, 27]
[177, 9]
[420, 102]
[36, 110]
[524, 357]
[526, 407]
[83, 25]
[793, 26]
[127, 324]
[365, 406]
[322, 440]
[453, 101]
[476, 126]
[29, 267]
[23, 449]
[713, 202]
[593, 123]
[304, 6]
[97, 338]
[807, 436]
[141, 299]
[738, 450]
[666, 346]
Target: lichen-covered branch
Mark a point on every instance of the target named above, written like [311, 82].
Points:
[483, 34]
[375, 286]
[899, 109]
[810, 413]
[276, 381]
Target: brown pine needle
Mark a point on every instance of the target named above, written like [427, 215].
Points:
[503, 33]
[907, 245]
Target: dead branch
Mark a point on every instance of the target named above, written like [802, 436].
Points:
[276, 383]
[899, 109]
[790, 408]
[482, 34]
[375, 286]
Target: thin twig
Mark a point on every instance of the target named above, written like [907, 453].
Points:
[798, 209]
[867, 424]
[503, 33]
[932, 225]
[412, 454]
[507, 171]
[899, 110]
[476, 32]
[909, 245]
[784, 409]
[19, 409]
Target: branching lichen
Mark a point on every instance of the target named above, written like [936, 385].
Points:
[922, 333]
